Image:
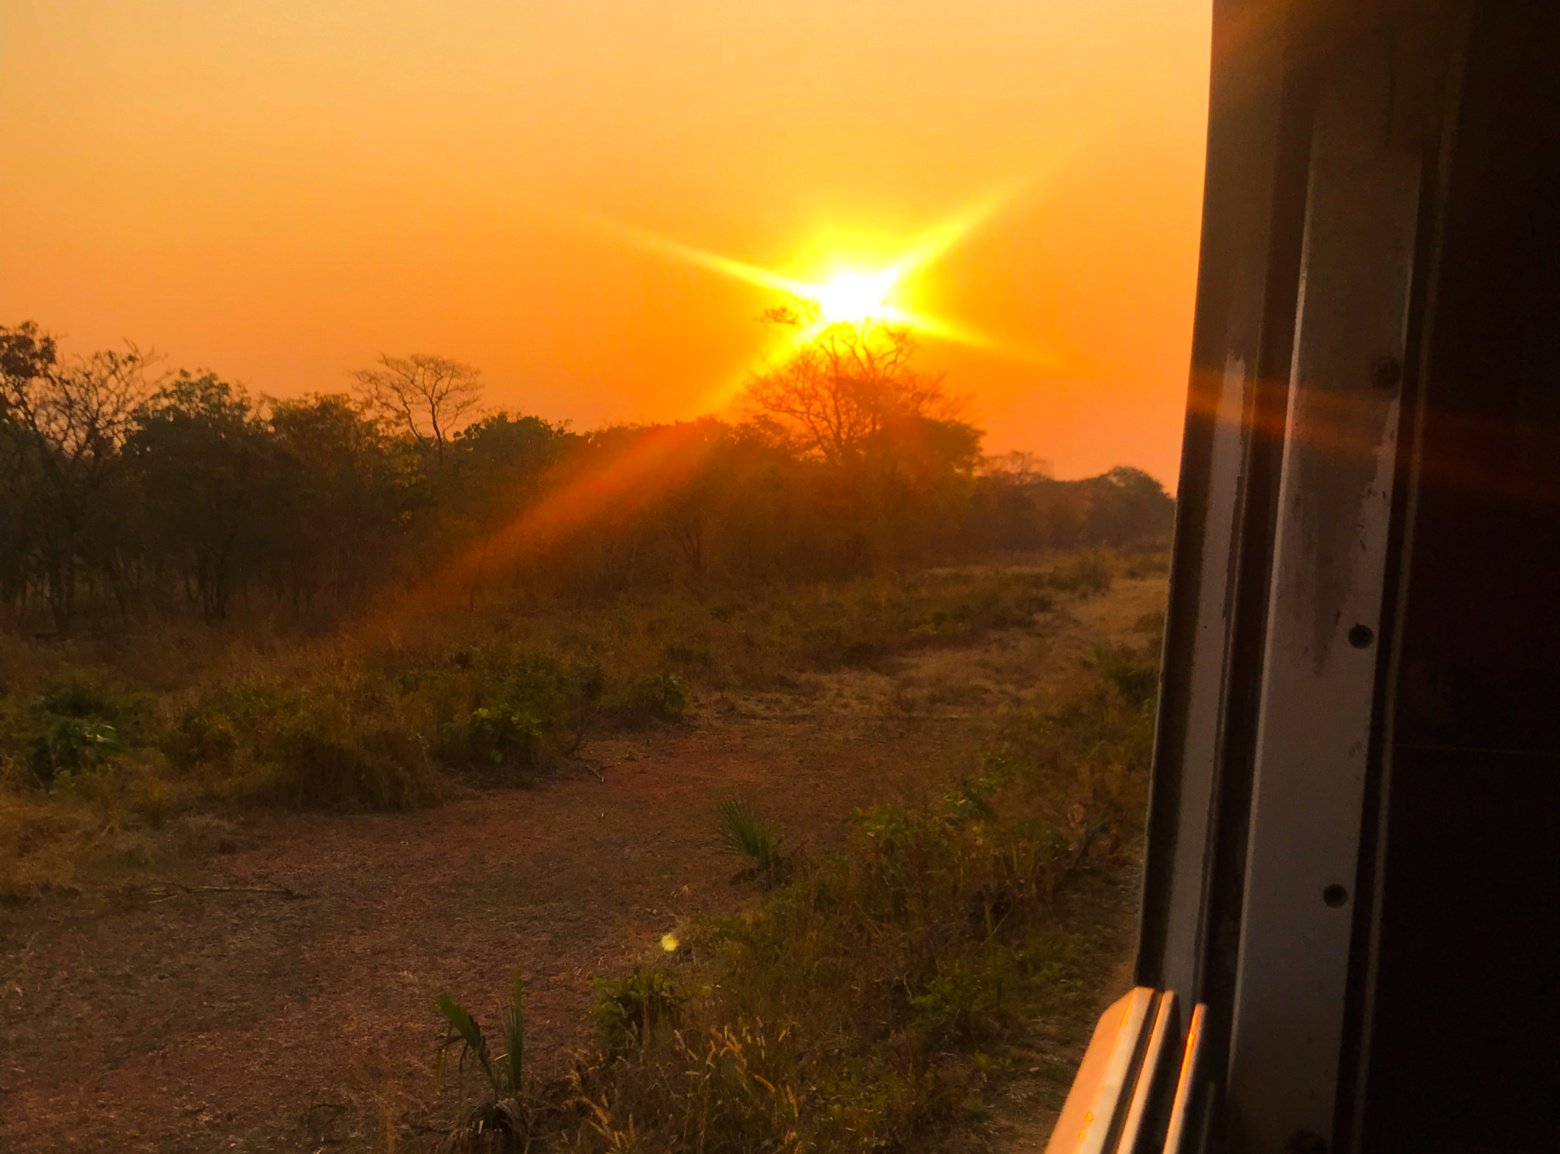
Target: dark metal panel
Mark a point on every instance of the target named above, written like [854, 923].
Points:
[1244, 160]
[1320, 668]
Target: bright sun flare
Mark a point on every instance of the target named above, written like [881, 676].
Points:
[853, 297]
[848, 296]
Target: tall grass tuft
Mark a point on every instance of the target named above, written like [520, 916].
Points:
[750, 838]
[504, 1119]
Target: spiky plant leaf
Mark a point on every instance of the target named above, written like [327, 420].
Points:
[514, 1035]
[746, 835]
[467, 1031]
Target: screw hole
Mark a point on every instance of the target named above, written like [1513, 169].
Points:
[1361, 636]
[1386, 373]
[1335, 895]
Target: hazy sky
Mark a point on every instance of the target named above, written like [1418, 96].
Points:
[282, 189]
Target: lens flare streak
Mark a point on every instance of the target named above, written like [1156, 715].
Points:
[851, 295]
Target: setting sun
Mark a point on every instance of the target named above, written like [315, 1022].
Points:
[853, 297]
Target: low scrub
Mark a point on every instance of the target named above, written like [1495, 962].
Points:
[645, 702]
[878, 997]
[629, 1010]
[320, 761]
[497, 696]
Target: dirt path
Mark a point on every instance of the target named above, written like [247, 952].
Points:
[175, 1021]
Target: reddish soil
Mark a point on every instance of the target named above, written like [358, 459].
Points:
[168, 1019]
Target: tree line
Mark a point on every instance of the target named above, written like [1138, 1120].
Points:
[131, 491]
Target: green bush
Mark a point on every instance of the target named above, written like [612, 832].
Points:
[511, 712]
[502, 737]
[629, 1009]
[559, 694]
[77, 698]
[655, 699]
[66, 745]
[325, 758]
[72, 727]
[201, 737]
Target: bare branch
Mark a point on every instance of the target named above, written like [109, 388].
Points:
[431, 398]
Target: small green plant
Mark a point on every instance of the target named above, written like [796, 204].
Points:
[503, 1118]
[628, 1009]
[69, 745]
[202, 737]
[1133, 673]
[750, 838]
[503, 736]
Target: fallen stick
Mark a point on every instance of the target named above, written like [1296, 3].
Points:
[275, 889]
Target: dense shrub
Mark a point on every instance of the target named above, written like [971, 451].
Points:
[322, 757]
[201, 738]
[654, 699]
[68, 744]
[628, 1009]
[73, 726]
[504, 737]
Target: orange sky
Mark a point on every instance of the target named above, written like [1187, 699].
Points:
[281, 189]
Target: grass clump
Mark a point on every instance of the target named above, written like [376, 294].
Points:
[751, 839]
[315, 762]
[504, 1118]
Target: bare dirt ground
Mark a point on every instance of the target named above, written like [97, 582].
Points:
[281, 997]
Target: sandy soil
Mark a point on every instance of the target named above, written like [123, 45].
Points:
[282, 999]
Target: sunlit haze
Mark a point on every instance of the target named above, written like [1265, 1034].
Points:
[595, 202]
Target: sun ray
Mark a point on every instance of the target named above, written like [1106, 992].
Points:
[935, 242]
[658, 245]
[852, 294]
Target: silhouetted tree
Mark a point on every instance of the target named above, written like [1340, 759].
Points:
[429, 397]
[337, 500]
[65, 421]
[839, 391]
[120, 490]
[196, 452]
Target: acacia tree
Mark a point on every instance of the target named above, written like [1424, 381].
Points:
[842, 389]
[65, 422]
[852, 398]
[427, 396]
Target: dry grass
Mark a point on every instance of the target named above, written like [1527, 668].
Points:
[882, 998]
[109, 745]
